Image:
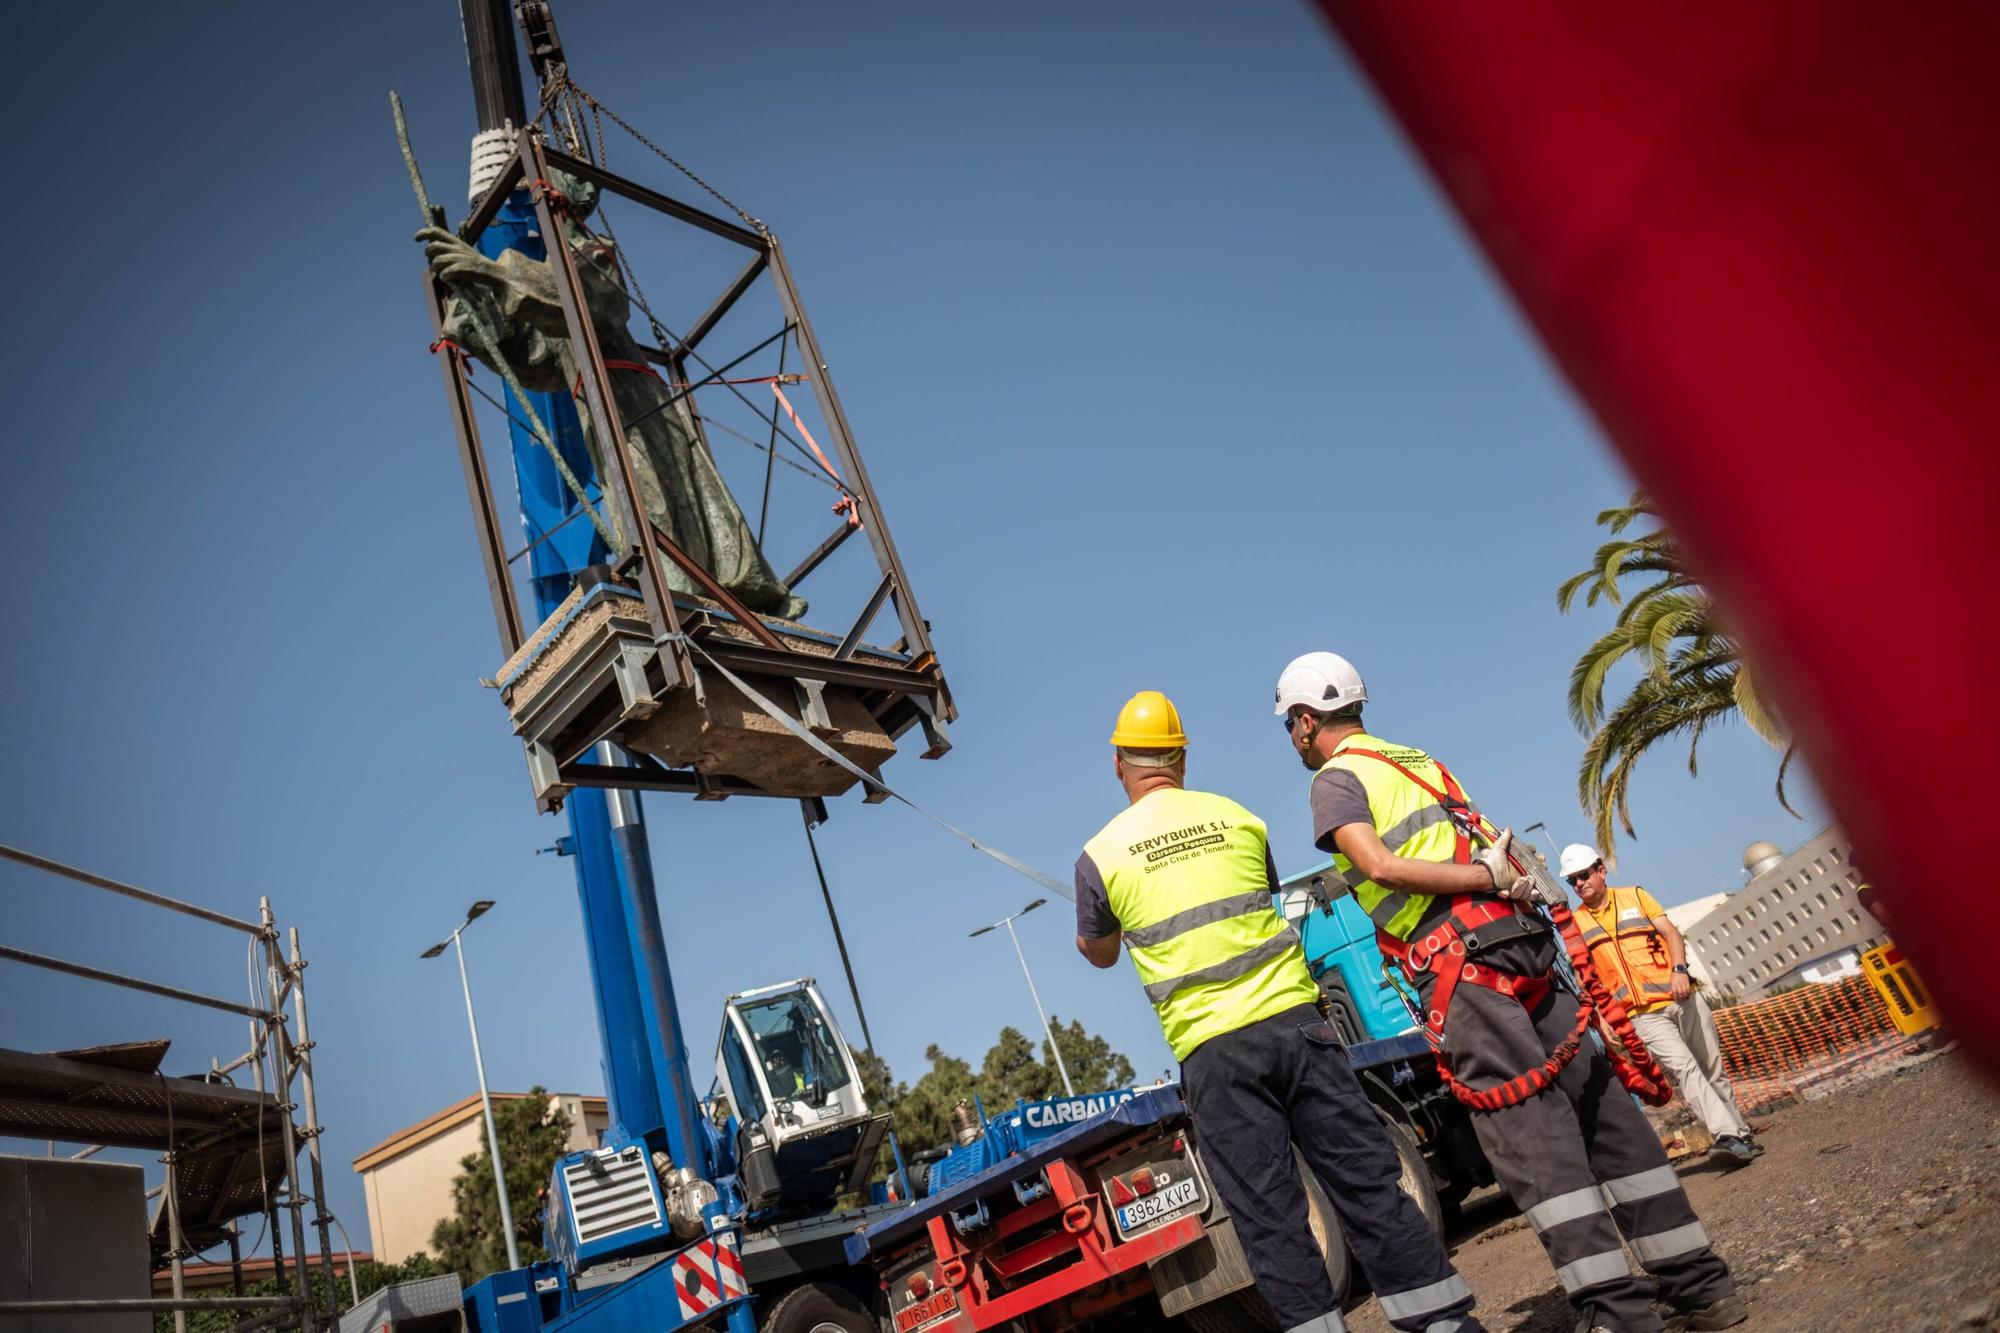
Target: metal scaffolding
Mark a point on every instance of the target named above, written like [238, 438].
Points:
[228, 1152]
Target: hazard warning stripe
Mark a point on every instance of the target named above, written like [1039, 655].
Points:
[708, 1273]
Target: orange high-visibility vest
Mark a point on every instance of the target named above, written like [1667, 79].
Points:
[1628, 951]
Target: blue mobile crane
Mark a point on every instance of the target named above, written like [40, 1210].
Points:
[735, 1209]
[647, 1230]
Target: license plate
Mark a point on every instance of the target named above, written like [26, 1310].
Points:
[927, 1311]
[1174, 1198]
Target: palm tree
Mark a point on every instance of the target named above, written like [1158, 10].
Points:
[1693, 674]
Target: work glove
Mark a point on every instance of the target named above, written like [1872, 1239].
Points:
[1508, 882]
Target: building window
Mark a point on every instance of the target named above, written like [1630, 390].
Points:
[1822, 935]
[1791, 917]
[1793, 951]
[1819, 866]
[1854, 878]
[1833, 855]
[1807, 908]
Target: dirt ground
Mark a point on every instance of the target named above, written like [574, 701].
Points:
[1877, 1207]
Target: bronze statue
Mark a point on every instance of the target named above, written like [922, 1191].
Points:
[679, 487]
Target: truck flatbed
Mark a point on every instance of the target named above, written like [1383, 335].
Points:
[1143, 1111]
[1412, 1045]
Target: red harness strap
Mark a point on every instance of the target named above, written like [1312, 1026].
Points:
[1442, 951]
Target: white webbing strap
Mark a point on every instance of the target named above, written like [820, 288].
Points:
[798, 729]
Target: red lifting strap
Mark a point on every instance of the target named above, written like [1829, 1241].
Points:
[630, 367]
[1442, 951]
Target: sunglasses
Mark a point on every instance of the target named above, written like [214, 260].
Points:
[1580, 876]
[1291, 721]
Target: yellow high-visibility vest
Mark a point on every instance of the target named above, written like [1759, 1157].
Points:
[1409, 820]
[1186, 874]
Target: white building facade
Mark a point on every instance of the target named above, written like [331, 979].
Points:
[1798, 918]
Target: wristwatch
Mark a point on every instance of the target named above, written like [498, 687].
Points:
[1681, 968]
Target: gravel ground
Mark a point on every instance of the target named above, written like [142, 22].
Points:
[1875, 1208]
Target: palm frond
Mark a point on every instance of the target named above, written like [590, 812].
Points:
[1586, 678]
[1758, 713]
[1783, 764]
[1654, 710]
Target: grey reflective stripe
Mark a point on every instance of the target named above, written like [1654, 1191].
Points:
[1385, 909]
[1655, 988]
[1642, 1185]
[1663, 1245]
[1204, 914]
[1330, 1322]
[1593, 1269]
[1410, 825]
[1444, 1326]
[1229, 968]
[1424, 1300]
[1565, 1208]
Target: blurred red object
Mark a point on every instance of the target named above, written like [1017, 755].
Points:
[1761, 241]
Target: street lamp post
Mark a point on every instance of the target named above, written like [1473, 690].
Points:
[476, 911]
[1548, 833]
[1069, 1089]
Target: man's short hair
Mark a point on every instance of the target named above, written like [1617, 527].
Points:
[1351, 713]
[1152, 758]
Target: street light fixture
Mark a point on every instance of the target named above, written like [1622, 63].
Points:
[1069, 1089]
[472, 914]
[1549, 834]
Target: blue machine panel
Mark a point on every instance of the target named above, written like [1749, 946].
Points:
[517, 1301]
[603, 1203]
[1339, 937]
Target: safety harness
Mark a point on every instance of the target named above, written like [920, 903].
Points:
[1475, 921]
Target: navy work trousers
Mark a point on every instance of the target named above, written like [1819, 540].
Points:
[1580, 1160]
[1285, 1080]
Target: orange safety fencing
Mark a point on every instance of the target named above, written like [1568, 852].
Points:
[1792, 1046]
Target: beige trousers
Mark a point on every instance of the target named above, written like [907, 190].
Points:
[1682, 1038]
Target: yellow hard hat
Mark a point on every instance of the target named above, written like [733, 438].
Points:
[1149, 721]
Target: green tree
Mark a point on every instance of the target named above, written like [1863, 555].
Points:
[1014, 1069]
[532, 1136]
[1692, 675]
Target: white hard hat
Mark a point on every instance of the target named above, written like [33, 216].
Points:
[1324, 682]
[1578, 856]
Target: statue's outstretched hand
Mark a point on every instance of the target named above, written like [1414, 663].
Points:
[457, 264]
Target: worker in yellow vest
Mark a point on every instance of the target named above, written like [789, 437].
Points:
[1574, 1152]
[1642, 958]
[1184, 880]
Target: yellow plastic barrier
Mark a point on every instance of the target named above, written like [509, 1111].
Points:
[1896, 980]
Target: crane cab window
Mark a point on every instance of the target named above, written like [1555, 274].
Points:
[798, 1053]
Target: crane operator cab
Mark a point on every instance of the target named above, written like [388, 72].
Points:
[805, 1133]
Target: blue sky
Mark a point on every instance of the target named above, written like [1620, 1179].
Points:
[1167, 362]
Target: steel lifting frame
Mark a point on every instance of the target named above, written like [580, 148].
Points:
[899, 695]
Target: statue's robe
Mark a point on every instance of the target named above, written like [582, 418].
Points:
[679, 487]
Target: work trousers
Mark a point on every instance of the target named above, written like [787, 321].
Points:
[1285, 1080]
[1683, 1039]
[1580, 1160]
